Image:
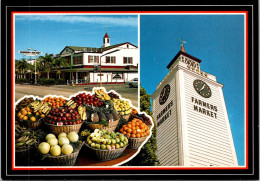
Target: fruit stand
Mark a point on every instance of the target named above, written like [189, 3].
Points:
[87, 129]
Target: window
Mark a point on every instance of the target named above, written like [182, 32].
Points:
[78, 60]
[128, 60]
[110, 59]
[93, 59]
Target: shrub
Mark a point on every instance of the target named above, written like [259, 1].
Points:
[61, 81]
[21, 81]
[45, 81]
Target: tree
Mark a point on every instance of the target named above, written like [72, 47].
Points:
[59, 63]
[47, 61]
[21, 66]
[147, 155]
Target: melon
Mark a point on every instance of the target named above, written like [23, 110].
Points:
[52, 141]
[67, 149]
[44, 147]
[73, 136]
[50, 136]
[62, 134]
[55, 150]
[63, 140]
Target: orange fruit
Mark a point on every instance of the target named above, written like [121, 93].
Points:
[25, 117]
[42, 115]
[19, 114]
[129, 125]
[121, 130]
[125, 128]
[133, 135]
[128, 134]
[124, 132]
[129, 130]
[27, 109]
[133, 124]
[24, 112]
[36, 113]
[33, 119]
[134, 131]
[138, 135]
[21, 117]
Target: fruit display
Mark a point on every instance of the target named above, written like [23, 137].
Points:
[135, 129]
[100, 93]
[122, 106]
[55, 102]
[102, 139]
[87, 99]
[111, 125]
[63, 116]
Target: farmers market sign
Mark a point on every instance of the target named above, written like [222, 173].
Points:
[204, 107]
[165, 113]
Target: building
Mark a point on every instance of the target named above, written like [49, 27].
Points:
[110, 64]
[190, 111]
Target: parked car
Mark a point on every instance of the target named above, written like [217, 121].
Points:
[133, 82]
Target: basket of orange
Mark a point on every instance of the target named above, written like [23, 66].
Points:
[30, 117]
[137, 132]
[55, 102]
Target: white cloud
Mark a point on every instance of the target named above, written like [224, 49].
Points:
[118, 21]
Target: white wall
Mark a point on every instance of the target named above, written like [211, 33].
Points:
[123, 52]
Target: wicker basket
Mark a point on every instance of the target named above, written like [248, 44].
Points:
[126, 117]
[64, 160]
[35, 125]
[105, 155]
[65, 128]
[135, 143]
[111, 126]
[23, 157]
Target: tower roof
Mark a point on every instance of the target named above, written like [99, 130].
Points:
[185, 54]
[106, 36]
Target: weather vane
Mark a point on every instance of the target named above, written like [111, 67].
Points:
[106, 28]
[182, 41]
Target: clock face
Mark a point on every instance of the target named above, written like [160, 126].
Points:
[202, 88]
[164, 94]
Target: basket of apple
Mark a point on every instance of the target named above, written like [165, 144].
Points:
[62, 150]
[106, 145]
[63, 119]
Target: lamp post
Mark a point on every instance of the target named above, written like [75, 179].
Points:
[35, 73]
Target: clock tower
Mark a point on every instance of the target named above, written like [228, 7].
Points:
[192, 122]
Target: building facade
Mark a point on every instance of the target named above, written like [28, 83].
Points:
[191, 115]
[110, 64]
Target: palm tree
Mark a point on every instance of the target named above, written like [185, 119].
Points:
[59, 63]
[21, 66]
[47, 61]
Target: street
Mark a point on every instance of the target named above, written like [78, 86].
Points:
[66, 91]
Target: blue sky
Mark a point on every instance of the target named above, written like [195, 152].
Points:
[51, 33]
[218, 40]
